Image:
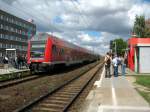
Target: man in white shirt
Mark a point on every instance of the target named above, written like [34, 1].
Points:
[115, 65]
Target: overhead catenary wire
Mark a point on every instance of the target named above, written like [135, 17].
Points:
[76, 4]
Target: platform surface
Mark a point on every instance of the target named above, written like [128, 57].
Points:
[12, 70]
[115, 94]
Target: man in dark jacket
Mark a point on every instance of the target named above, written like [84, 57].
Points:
[107, 65]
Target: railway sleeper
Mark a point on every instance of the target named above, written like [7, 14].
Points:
[68, 93]
[63, 95]
[51, 105]
[71, 91]
[72, 88]
[57, 107]
[56, 101]
[43, 109]
[59, 98]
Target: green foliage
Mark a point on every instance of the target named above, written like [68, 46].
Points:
[121, 46]
[139, 26]
[147, 32]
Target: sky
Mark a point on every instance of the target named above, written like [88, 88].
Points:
[87, 23]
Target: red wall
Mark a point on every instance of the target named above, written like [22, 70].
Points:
[132, 42]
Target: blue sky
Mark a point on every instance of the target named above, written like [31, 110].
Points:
[93, 33]
[57, 20]
[146, 0]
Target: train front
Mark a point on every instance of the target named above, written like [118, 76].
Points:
[39, 56]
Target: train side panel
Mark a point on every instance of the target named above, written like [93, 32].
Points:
[48, 51]
[58, 51]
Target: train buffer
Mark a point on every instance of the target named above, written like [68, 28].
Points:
[115, 94]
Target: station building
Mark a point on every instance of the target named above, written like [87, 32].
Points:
[139, 54]
[14, 34]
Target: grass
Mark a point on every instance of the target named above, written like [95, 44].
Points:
[146, 95]
[144, 81]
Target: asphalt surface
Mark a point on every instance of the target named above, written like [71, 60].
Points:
[115, 94]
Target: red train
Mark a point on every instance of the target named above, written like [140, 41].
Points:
[46, 51]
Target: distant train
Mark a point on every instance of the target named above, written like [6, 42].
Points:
[46, 51]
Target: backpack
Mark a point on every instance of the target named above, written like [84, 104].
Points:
[118, 62]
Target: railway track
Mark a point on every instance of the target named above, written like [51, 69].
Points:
[18, 81]
[62, 98]
[9, 83]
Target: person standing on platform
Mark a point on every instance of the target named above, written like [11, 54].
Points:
[115, 65]
[107, 65]
[5, 61]
[123, 65]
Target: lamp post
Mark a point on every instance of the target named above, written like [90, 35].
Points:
[115, 47]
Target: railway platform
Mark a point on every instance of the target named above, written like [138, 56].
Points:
[11, 70]
[12, 73]
[115, 94]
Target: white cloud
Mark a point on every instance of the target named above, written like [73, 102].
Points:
[112, 18]
[85, 37]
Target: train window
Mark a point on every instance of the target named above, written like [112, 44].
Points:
[37, 52]
[63, 52]
[54, 49]
[37, 49]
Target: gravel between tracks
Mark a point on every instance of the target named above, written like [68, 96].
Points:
[16, 96]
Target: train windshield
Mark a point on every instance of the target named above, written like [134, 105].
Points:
[37, 49]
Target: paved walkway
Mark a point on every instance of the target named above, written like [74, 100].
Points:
[114, 94]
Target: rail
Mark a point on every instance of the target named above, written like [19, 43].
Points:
[31, 104]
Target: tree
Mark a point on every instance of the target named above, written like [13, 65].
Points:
[121, 46]
[147, 32]
[139, 26]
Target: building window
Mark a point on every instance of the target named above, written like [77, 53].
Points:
[1, 54]
[16, 38]
[1, 26]
[2, 17]
[6, 18]
[16, 22]
[1, 36]
[13, 46]
[5, 36]
[11, 37]
[15, 30]
[8, 45]
[6, 27]
[0, 45]
[3, 45]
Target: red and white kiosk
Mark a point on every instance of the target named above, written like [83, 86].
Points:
[139, 54]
